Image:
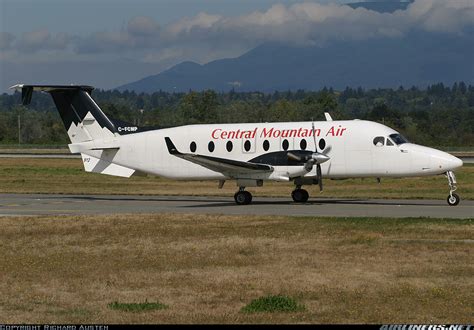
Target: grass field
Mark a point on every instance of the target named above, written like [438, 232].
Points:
[205, 269]
[67, 176]
[33, 150]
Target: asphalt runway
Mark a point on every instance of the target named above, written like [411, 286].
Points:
[44, 204]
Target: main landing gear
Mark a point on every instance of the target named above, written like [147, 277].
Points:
[453, 199]
[299, 195]
[243, 197]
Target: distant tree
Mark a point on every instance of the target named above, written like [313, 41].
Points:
[327, 100]
[420, 113]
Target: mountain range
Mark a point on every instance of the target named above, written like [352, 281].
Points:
[418, 58]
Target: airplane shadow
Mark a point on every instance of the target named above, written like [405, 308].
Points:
[229, 202]
[138, 199]
[317, 202]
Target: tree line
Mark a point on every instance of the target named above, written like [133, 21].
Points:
[438, 115]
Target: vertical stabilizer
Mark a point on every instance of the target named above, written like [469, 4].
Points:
[82, 117]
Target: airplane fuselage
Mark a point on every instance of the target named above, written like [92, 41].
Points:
[250, 153]
[356, 148]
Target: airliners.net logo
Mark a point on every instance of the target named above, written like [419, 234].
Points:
[427, 327]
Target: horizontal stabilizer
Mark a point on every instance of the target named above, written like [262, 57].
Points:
[97, 165]
[50, 88]
[76, 148]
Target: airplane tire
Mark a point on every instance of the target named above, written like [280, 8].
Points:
[243, 197]
[453, 199]
[249, 197]
[300, 195]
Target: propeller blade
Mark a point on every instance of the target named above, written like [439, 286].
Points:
[292, 156]
[308, 166]
[317, 158]
[327, 150]
[314, 156]
[320, 177]
[314, 137]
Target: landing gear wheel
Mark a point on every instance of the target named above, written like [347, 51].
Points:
[453, 200]
[243, 197]
[300, 195]
[248, 197]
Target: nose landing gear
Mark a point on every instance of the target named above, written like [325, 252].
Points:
[453, 199]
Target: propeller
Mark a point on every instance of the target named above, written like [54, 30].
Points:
[312, 159]
[318, 164]
[327, 150]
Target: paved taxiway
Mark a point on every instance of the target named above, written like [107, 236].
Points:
[42, 204]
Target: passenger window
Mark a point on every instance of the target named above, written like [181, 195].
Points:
[192, 146]
[211, 146]
[303, 144]
[389, 142]
[247, 145]
[266, 145]
[285, 144]
[229, 146]
[379, 141]
[322, 144]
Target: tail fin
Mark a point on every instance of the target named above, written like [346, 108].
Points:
[82, 117]
[92, 134]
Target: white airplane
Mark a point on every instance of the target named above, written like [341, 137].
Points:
[250, 153]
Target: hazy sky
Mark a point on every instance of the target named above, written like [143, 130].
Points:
[86, 16]
[107, 43]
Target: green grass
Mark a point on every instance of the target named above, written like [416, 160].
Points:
[36, 175]
[271, 304]
[15, 145]
[137, 307]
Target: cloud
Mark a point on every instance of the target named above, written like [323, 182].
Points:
[442, 16]
[101, 42]
[43, 40]
[6, 40]
[313, 23]
[207, 36]
[142, 26]
[141, 33]
[201, 21]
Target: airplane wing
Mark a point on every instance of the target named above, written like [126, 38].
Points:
[228, 167]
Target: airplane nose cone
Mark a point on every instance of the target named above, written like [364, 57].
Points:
[446, 161]
[457, 163]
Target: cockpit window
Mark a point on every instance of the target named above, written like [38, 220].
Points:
[389, 142]
[398, 138]
[379, 141]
